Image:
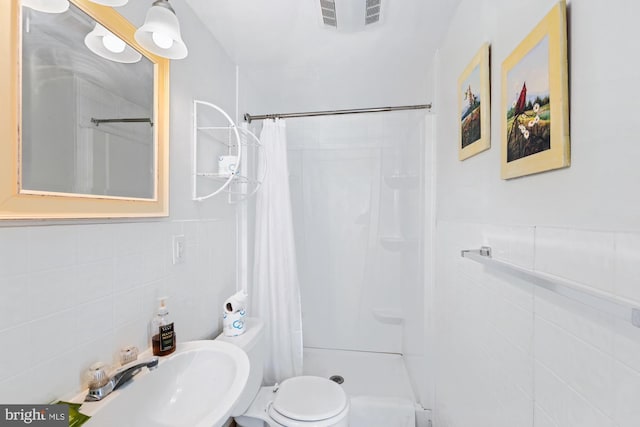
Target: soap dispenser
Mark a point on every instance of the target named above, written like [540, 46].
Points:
[163, 335]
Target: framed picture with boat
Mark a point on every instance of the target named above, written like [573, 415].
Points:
[474, 134]
[535, 100]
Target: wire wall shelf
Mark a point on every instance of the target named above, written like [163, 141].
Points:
[226, 158]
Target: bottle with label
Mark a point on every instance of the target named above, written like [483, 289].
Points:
[163, 335]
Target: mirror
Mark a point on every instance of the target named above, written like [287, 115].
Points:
[86, 119]
[87, 116]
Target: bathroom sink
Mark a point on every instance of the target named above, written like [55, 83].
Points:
[197, 386]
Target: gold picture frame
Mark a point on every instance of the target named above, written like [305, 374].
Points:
[474, 133]
[535, 100]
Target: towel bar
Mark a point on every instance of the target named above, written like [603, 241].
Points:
[599, 300]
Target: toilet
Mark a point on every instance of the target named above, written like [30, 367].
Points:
[304, 401]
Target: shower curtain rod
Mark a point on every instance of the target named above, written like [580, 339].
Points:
[249, 118]
[97, 122]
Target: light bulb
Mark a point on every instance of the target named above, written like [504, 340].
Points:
[113, 43]
[162, 40]
[48, 6]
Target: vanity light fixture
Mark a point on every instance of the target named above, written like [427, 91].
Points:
[160, 33]
[48, 6]
[104, 43]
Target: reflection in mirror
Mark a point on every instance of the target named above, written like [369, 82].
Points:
[87, 121]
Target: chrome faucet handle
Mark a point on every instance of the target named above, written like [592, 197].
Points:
[97, 375]
[98, 390]
[128, 354]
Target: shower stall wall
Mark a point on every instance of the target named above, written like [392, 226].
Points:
[357, 203]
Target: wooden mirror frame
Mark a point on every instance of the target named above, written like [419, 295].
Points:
[15, 204]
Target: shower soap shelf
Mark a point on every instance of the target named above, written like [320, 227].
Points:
[215, 135]
[402, 181]
[398, 243]
[389, 317]
[615, 306]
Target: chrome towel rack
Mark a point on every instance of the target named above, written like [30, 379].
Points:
[615, 306]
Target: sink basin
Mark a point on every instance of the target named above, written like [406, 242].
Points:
[197, 386]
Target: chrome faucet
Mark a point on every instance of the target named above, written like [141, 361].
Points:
[102, 388]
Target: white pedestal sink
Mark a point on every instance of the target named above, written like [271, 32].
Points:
[197, 386]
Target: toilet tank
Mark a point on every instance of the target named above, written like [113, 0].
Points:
[253, 343]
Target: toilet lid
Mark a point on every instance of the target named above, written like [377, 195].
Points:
[309, 398]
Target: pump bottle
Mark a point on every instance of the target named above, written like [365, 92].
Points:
[163, 335]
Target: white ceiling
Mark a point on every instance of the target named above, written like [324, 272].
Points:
[297, 63]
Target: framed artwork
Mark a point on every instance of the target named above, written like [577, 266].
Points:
[474, 133]
[535, 100]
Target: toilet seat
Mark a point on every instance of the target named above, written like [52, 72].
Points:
[308, 400]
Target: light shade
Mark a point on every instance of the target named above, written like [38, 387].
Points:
[160, 33]
[112, 3]
[48, 6]
[104, 43]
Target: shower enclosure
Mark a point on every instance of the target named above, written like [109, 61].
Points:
[358, 195]
[357, 204]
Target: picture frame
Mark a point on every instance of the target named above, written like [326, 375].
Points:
[535, 100]
[474, 106]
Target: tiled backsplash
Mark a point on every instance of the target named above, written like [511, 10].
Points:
[71, 295]
[509, 354]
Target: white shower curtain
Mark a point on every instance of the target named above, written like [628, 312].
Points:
[275, 290]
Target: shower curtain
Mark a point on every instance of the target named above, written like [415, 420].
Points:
[275, 290]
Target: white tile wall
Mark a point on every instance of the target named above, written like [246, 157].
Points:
[576, 366]
[533, 357]
[586, 257]
[51, 247]
[627, 265]
[73, 295]
[627, 390]
[14, 300]
[511, 244]
[13, 253]
[542, 419]
[626, 344]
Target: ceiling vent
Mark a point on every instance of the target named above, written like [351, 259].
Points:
[350, 15]
[329, 12]
[372, 12]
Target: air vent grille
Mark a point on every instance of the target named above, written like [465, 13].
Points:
[372, 12]
[329, 12]
[371, 19]
[329, 21]
[375, 10]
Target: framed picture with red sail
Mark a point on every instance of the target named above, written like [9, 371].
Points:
[535, 100]
[474, 106]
